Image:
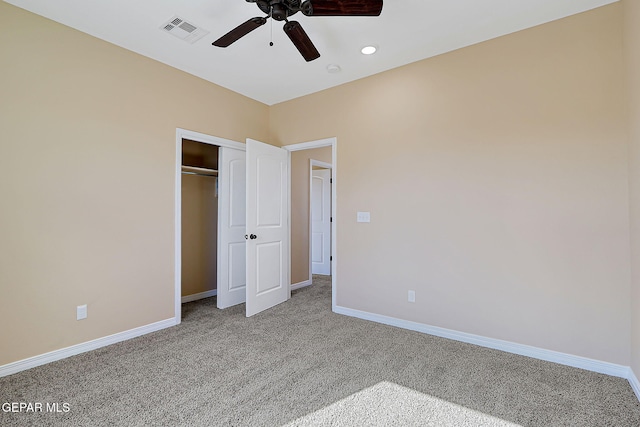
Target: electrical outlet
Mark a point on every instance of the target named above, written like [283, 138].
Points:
[411, 296]
[81, 312]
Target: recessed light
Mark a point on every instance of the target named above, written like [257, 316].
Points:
[333, 68]
[369, 50]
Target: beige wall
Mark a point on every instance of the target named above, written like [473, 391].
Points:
[87, 158]
[199, 234]
[300, 172]
[632, 53]
[496, 178]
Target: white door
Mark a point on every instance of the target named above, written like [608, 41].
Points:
[321, 221]
[267, 227]
[231, 227]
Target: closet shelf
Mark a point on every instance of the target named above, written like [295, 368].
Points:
[199, 171]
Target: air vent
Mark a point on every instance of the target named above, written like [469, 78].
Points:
[183, 30]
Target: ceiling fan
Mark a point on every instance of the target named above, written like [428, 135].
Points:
[281, 10]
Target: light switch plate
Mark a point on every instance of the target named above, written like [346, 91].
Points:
[364, 217]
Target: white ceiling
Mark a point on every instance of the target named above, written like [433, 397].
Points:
[405, 32]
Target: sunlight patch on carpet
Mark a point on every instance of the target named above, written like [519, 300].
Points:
[389, 404]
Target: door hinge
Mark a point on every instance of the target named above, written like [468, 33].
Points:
[331, 219]
[331, 258]
[330, 180]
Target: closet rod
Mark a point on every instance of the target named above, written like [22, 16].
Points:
[199, 174]
[194, 170]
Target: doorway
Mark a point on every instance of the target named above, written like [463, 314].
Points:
[208, 144]
[199, 209]
[321, 153]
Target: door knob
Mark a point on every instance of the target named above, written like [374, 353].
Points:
[253, 236]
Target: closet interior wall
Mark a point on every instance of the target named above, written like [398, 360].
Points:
[199, 218]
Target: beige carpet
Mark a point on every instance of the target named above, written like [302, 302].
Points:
[299, 364]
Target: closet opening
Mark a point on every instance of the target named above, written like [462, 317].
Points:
[199, 220]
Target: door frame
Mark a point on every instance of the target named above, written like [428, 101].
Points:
[333, 143]
[322, 165]
[205, 139]
[222, 142]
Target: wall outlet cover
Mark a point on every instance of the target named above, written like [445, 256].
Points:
[81, 312]
[411, 296]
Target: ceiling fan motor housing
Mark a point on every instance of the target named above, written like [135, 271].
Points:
[279, 10]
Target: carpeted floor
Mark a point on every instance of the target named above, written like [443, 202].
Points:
[219, 368]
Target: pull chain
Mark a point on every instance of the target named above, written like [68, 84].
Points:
[271, 16]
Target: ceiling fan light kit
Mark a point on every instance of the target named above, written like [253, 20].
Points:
[281, 10]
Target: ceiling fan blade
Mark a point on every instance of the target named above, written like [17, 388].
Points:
[240, 31]
[341, 7]
[301, 40]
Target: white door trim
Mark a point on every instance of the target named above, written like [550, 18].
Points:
[205, 139]
[333, 143]
[324, 165]
[320, 164]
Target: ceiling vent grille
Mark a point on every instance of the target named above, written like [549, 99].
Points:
[184, 30]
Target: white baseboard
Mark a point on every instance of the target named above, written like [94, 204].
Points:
[301, 284]
[52, 356]
[201, 295]
[510, 347]
[635, 384]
